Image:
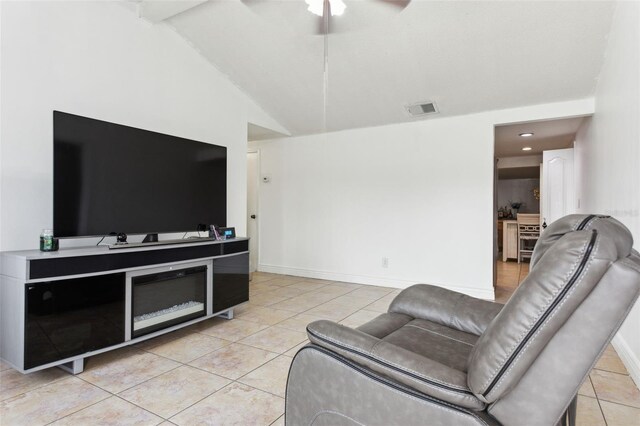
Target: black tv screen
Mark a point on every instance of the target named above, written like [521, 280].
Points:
[112, 178]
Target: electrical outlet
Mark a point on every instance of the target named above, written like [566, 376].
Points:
[385, 262]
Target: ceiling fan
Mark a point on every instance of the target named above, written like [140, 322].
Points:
[332, 16]
[330, 13]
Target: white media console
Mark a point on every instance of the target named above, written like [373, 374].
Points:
[58, 308]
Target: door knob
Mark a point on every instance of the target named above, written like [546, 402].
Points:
[253, 216]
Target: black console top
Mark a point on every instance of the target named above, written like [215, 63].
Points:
[113, 260]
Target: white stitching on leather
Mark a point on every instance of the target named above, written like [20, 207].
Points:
[510, 351]
[575, 225]
[405, 395]
[333, 412]
[590, 223]
[439, 334]
[342, 343]
[549, 318]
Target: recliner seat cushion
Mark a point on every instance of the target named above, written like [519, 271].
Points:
[434, 341]
[416, 353]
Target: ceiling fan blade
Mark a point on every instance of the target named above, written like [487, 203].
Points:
[359, 14]
[252, 2]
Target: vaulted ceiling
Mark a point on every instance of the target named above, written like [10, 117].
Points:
[464, 56]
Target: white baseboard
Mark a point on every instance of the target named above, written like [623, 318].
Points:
[629, 359]
[369, 280]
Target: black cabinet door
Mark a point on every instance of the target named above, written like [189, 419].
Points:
[71, 317]
[230, 281]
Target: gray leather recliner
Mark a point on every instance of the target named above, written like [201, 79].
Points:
[443, 358]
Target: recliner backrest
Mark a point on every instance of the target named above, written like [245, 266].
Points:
[571, 257]
[576, 222]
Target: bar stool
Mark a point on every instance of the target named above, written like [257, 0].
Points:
[528, 234]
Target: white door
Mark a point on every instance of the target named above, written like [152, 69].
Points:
[253, 165]
[558, 191]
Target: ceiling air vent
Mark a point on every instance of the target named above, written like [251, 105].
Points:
[420, 109]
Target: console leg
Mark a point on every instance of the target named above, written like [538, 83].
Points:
[227, 315]
[73, 367]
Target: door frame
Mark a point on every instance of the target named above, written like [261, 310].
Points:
[257, 201]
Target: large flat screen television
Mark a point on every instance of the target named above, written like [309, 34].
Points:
[110, 178]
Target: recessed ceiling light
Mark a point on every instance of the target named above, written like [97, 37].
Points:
[525, 135]
[526, 148]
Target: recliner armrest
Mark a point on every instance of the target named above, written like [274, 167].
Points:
[418, 372]
[446, 307]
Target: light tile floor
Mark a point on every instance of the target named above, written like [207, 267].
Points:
[234, 372]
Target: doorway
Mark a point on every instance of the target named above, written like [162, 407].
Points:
[253, 173]
[521, 190]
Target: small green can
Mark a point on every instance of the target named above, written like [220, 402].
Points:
[47, 242]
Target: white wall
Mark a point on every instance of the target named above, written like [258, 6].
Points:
[420, 194]
[97, 59]
[607, 151]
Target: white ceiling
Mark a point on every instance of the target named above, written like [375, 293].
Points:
[466, 56]
[549, 134]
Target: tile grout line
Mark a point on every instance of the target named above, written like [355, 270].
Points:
[151, 378]
[83, 408]
[198, 401]
[329, 300]
[272, 423]
[66, 376]
[613, 372]
[598, 400]
[226, 386]
[619, 403]
[243, 344]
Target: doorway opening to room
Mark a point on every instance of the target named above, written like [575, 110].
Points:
[256, 135]
[534, 186]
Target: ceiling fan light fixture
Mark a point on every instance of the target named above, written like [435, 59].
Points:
[337, 7]
[317, 7]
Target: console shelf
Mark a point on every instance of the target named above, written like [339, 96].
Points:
[58, 308]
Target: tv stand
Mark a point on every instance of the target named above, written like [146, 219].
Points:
[162, 242]
[58, 308]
